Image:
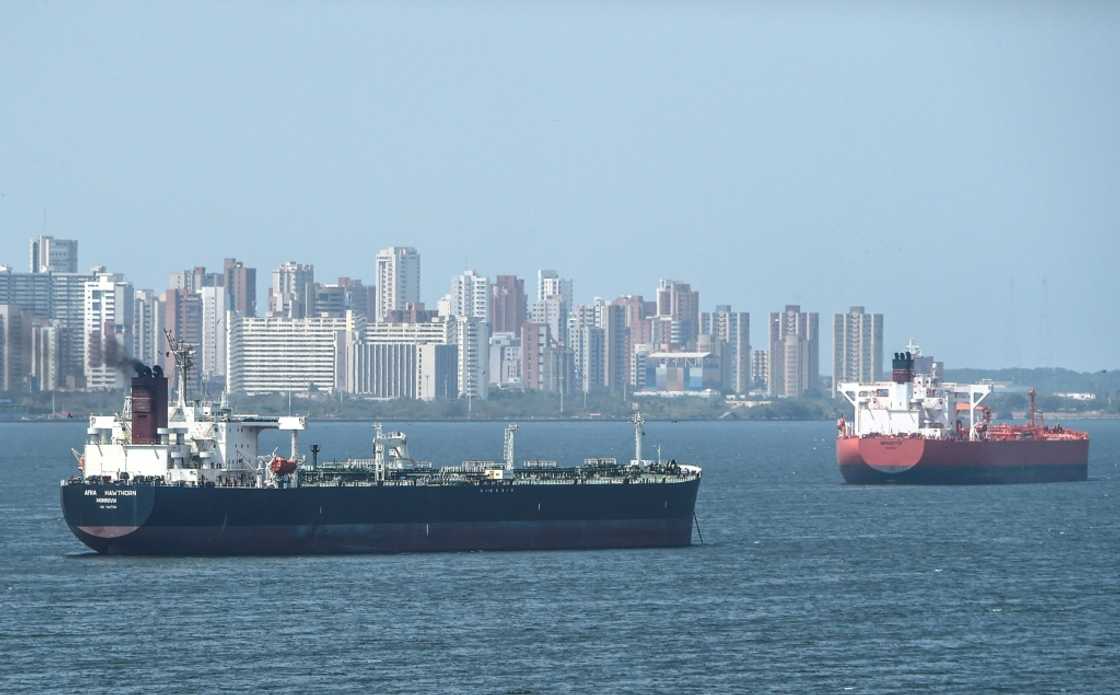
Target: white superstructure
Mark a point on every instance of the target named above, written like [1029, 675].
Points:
[912, 404]
[197, 443]
[203, 443]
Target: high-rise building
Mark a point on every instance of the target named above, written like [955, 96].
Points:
[616, 348]
[857, 347]
[147, 328]
[382, 370]
[473, 341]
[470, 296]
[794, 362]
[550, 284]
[437, 372]
[731, 335]
[30, 292]
[535, 347]
[241, 287]
[68, 308]
[15, 348]
[505, 360]
[678, 305]
[182, 316]
[591, 358]
[760, 368]
[276, 355]
[553, 311]
[55, 296]
[213, 347]
[293, 291]
[508, 304]
[398, 279]
[46, 354]
[348, 294]
[50, 255]
[107, 330]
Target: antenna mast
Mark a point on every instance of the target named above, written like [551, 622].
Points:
[184, 360]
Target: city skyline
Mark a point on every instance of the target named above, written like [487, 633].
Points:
[956, 176]
[760, 339]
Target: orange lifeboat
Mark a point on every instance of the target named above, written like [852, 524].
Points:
[282, 466]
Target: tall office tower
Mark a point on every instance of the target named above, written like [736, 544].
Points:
[293, 291]
[50, 255]
[616, 348]
[107, 330]
[182, 315]
[15, 348]
[731, 332]
[213, 349]
[857, 347]
[553, 312]
[470, 296]
[508, 304]
[473, 341]
[241, 287]
[536, 346]
[398, 279]
[680, 304]
[794, 363]
[46, 354]
[590, 358]
[549, 284]
[68, 307]
[148, 341]
[581, 321]
[760, 368]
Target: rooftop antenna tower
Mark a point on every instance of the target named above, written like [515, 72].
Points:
[184, 360]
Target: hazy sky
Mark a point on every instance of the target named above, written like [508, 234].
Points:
[940, 163]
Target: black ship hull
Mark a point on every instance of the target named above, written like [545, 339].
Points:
[145, 519]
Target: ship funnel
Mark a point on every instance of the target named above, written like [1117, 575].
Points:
[902, 368]
[149, 405]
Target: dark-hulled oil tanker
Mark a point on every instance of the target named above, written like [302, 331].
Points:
[917, 429]
[187, 479]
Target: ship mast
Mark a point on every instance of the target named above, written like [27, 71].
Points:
[639, 432]
[508, 449]
[184, 360]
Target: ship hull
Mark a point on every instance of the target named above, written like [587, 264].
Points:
[912, 460]
[167, 520]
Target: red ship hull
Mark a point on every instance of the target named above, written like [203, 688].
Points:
[912, 460]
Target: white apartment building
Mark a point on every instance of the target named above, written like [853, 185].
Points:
[473, 341]
[550, 284]
[147, 327]
[293, 291]
[213, 348]
[857, 347]
[470, 295]
[275, 355]
[398, 279]
[107, 329]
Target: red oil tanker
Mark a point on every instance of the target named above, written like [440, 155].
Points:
[914, 429]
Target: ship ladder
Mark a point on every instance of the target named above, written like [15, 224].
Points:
[699, 533]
